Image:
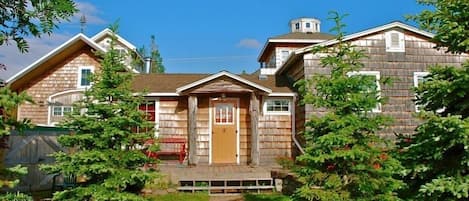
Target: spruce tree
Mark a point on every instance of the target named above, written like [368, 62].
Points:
[436, 157]
[104, 137]
[344, 157]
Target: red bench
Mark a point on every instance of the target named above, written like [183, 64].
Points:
[168, 146]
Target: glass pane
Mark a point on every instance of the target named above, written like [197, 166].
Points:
[85, 77]
[224, 113]
[57, 111]
[67, 110]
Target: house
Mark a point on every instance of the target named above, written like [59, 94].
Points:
[239, 119]
[395, 50]
[225, 118]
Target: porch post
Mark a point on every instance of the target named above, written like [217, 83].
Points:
[254, 110]
[192, 129]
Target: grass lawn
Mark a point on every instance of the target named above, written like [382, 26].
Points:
[266, 197]
[181, 197]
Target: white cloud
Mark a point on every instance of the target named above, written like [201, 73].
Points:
[91, 13]
[38, 47]
[249, 43]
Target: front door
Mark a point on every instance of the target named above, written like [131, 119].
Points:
[224, 131]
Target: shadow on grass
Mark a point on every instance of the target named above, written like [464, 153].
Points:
[180, 197]
[266, 197]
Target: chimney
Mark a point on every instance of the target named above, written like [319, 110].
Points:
[147, 64]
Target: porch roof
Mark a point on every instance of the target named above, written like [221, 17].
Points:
[169, 83]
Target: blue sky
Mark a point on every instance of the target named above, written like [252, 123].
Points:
[207, 36]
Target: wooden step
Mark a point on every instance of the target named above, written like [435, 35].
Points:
[227, 186]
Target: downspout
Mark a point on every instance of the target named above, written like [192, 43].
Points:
[293, 133]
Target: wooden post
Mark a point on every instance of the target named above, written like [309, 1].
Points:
[192, 129]
[254, 111]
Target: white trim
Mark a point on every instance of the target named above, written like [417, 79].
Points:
[54, 52]
[264, 106]
[367, 32]
[378, 85]
[295, 40]
[158, 94]
[210, 115]
[157, 117]
[79, 76]
[220, 74]
[281, 94]
[388, 41]
[108, 31]
[416, 84]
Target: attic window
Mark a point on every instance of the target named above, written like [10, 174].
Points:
[84, 76]
[308, 25]
[297, 26]
[395, 41]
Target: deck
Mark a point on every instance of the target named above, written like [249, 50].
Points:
[219, 179]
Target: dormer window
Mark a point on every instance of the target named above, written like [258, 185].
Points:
[395, 41]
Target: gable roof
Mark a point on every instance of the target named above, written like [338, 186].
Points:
[109, 32]
[63, 47]
[169, 84]
[74, 40]
[295, 54]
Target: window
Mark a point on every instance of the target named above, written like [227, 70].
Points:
[297, 26]
[60, 111]
[149, 110]
[277, 106]
[84, 79]
[224, 113]
[419, 77]
[308, 25]
[284, 55]
[376, 75]
[395, 41]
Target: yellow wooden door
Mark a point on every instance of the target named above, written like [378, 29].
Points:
[224, 124]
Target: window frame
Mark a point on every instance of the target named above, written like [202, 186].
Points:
[266, 112]
[377, 75]
[80, 76]
[62, 110]
[388, 41]
[418, 75]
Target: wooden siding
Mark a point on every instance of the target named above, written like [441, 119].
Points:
[60, 77]
[275, 137]
[418, 57]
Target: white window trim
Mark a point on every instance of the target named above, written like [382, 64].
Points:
[62, 107]
[377, 109]
[388, 40]
[79, 86]
[264, 107]
[416, 84]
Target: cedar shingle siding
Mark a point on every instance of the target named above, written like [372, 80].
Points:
[419, 56]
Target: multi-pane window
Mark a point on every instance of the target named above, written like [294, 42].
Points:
[61, 110]
[277, 106]
[376, 76]
[224, 113]
[149, 110]
[84, 76]
[308, 25]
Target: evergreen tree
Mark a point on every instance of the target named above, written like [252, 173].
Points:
[157, 65]
[436, 157]
[104, 133]
[344, 157]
